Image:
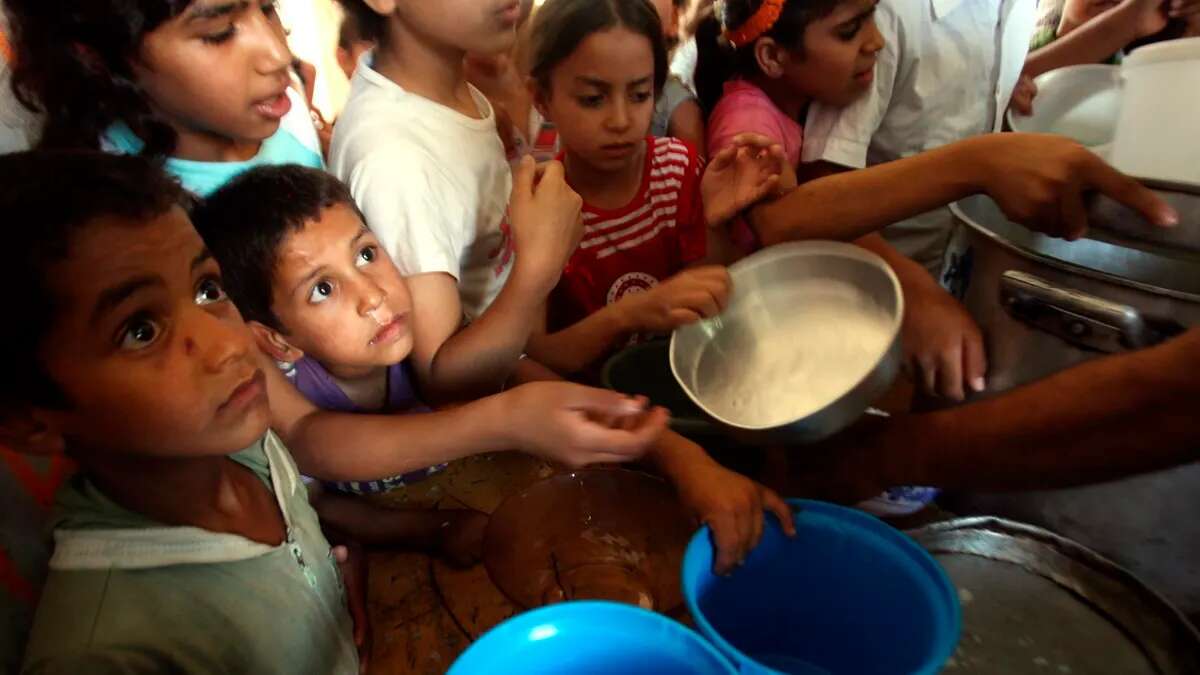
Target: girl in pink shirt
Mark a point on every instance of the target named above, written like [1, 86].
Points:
[761, 63]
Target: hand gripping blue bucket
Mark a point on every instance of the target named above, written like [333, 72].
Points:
[849, 594]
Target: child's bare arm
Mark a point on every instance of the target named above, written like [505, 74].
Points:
[581, 344]
[732, 505]
[1038, 180]
[553, 420]
[687, 297]
[459, 364]
[1108, 33]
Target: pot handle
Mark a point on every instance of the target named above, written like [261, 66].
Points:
[1082, 319]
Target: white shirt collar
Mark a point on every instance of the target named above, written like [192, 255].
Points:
[943, 8]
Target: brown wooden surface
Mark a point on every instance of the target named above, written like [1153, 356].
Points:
[424, 613]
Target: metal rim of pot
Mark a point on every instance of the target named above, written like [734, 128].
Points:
[846, 408]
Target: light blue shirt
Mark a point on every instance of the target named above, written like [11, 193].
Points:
[286, 146]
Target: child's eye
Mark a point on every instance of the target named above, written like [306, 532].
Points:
[270, 8]
[139, 333]
[366, 256]
[640, 96]
[218, 38]
[591, 101]
[209, 291]
[320, 292]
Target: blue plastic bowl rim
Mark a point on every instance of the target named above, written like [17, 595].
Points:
[867, 522]
[516, 627]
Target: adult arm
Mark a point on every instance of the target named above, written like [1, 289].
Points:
[1108, 418]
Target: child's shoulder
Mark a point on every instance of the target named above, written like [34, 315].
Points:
[670, 155]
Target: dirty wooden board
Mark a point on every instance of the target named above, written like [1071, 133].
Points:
[418, 625]
[424, 613]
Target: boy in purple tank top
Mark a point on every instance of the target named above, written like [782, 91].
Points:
[325, 302]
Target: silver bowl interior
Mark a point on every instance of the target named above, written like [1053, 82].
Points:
[751, 368]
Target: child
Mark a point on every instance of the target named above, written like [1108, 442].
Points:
[355, 38]
[821, 56]
[419, 148]
[203, 84]
[676, 113]
[945, 73]
[320, 296]
[501, 78]
[186, 544]
[148, 377]
[763, 83]
[595, 68]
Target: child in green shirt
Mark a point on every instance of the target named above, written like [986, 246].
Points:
[186, 543]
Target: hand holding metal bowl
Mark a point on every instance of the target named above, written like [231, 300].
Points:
[810, 339]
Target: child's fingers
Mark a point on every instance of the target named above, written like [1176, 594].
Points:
[700, 301]
[727, 542]
[524, 177]
[723, 159]
[682, 316]
[622, 445]
[774, 503]
[550, 174]
[754, 521]
[752, 139]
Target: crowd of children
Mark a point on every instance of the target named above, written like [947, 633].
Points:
[236, 337]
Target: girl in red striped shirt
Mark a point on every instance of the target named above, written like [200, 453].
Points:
[596, 67]
[652, 215]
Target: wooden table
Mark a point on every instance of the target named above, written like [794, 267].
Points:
[424, 613]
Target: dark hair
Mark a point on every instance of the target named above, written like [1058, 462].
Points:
[245, 221]
[561, 25]
[717, 62]
[366, 23]
[46, 198]
[73, 64]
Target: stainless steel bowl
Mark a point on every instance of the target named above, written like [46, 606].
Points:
[772, 310]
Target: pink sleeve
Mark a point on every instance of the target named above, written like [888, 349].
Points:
[745, 115]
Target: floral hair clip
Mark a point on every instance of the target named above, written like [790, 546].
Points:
[754, 27]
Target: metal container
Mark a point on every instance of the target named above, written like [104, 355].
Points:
[1046, 305]
[770, 310]
[1034, 602]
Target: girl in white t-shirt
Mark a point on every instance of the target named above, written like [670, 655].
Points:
[418, 147]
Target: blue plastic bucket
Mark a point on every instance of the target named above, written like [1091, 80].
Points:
[848, 594]
[591, 637]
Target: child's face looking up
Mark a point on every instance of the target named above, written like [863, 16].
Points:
[153, 358]
[601, 98]
[477, 26]
[219, 69]
[838, 62]
[340, 298]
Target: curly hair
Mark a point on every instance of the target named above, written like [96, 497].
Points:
[73, 63]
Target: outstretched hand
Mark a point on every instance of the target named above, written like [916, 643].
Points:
[741, 175]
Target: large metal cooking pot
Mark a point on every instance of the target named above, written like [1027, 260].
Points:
[1046, 305]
